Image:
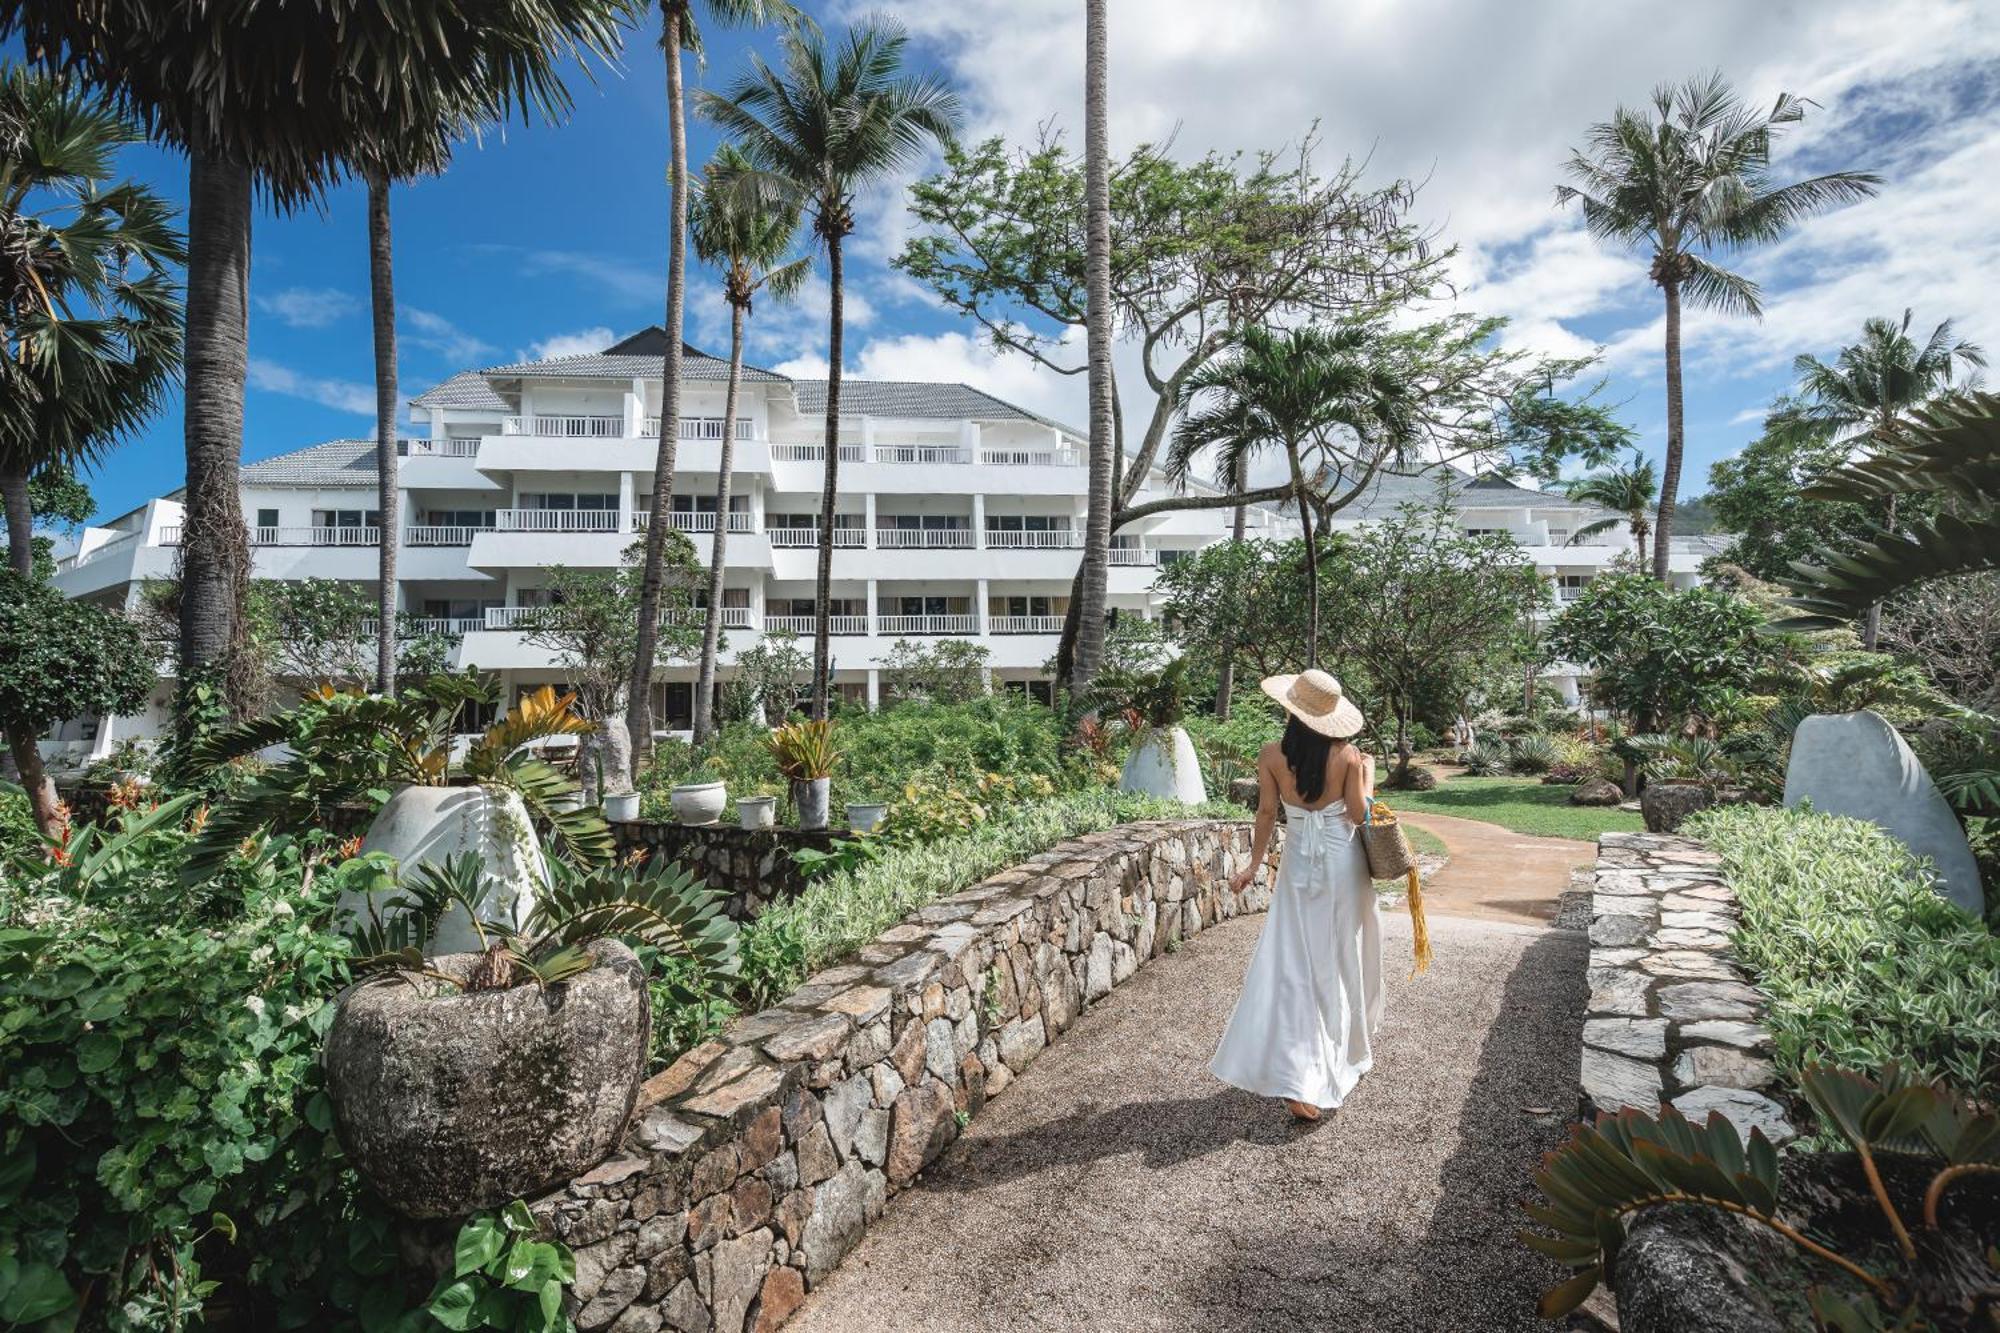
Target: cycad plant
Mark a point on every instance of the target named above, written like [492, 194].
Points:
[349, 747]
[1630, 492]
[1690, 179]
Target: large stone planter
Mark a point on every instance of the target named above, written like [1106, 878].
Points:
[1665, 806]
[1164, 764]
[427, 825]
[448, 1102]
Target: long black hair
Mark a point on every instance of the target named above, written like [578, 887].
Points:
[1305, 752]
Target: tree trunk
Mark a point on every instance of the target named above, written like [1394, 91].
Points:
[1088, 653]
[382, 301]
[1402, 748]
[21, 742]
[215, 545]
[1312, 555]
[639, 705]
[1670, 475]
[711, 632]
[829, 489]
[1225, 679]
[20, 523]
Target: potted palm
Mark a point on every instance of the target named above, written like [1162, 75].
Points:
[350, 748]
[759, 810]
[462, 1080]
[805, 755]
[1150, 705]
[700, 796]
[1684, 775]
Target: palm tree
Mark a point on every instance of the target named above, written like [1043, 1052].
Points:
[89, 315]
[1631, 492]
[1870, 390]
[280, 96]
[1691, 179]
[1091, 591]
[748, 236]
[826, 126]
[1292, 389]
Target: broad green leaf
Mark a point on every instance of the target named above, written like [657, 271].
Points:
[1561, 1299]
[38, 1291]
[479, 1242]
[456, 1305]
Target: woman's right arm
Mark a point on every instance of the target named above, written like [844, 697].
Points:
[1267, 819]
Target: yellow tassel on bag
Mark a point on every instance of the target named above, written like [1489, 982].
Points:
[1420, 934]
[1390, 854]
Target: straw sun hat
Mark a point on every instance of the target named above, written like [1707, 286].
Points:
[1315, 698]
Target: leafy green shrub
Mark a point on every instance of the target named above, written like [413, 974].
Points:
[1865, 964]
[1531, 754]
[504, 1276]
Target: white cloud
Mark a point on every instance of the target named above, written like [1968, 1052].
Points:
[307, 307]
[435, 333]
[579, 343]
[628, 282]
[346, 395]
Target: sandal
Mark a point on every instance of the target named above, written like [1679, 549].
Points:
[1302, 1110]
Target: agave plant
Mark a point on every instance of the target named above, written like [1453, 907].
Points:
[1533, 753]
[662, 907]
[348, 747]
[1485, 760]
[1631, 1162]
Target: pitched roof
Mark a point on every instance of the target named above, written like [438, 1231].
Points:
[1387, 491]
[334, 463]
[468, 388]
[918, 399]
[633, 357]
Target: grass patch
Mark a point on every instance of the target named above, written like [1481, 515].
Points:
[1523, 805]
[1864, 962]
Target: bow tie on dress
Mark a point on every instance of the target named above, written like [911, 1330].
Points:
[1311, 829]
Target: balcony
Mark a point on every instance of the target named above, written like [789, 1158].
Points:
[740, 520]
[808, 538]
[1031, 457]
[699, 428]
[509, 617]
[923, 539]
[1024, 624]
[733, 617]
[439, 625]
[922, 453]
[927, 625]
[450, 447]
[805, 624]
[556, 520]
[434, 535]
[1134, 555]
[314, 536]
[1056, 539]
[816, 453]
[111, 548]
[594, 426]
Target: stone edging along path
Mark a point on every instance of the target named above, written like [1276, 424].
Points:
[1671, 1015]
[755, 1162]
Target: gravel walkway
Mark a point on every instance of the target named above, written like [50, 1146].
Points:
[1118, 1186]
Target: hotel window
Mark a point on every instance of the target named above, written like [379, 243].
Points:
[731, 597]
[1007, 604]
[705, 504]
[267, 518]
[1171, 555]
[924, 522]
[1027, 523]
[458, 518]
[803, 606]
[926, 606]
[343, 518]
[569, 500]
[779, 520]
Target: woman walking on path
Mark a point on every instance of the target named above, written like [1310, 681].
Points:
[1304, 1025]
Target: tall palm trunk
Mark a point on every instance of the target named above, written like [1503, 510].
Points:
[1225, 680]
[21, 742]
[1670, 476]
[382, 302]
[1312, 554]
[639, 704]
[711, 632]
[20, 523]
[829, 489]
[1088, 654]
[215, 545]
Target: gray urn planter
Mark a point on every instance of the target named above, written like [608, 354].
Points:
[448, 1102]
[809, 799]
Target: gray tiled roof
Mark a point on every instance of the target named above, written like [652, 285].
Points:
[918, 399]
[335, 463]
[1386, 492]
[468, 388]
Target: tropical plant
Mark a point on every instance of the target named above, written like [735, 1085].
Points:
[1950, 451]
[1690, 179]
[947, 671]
[1486, 759]
[1630, 1163]
[1142, 700]
[1532, 753]
[504, 1275]
[276, 100]
[1292, 389]
[748, 235]
[1690, 760]
[832, 123]
[1658, 656]
[354, 747]
[804, 750]
[1630, 492]
[770, 670]
[1759, 495]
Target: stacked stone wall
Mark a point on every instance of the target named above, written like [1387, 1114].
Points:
[753, 866]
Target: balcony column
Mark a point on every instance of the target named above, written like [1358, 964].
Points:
[868, 618]
[867, 439]
[634, 411]
[627, 520]
[979, 608]
[874, 689]
[968, 440]
[868, 523]
[978, 522]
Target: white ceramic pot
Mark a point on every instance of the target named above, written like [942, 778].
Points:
[865, 816]
[756, 812]
[1164, 764]
[426, 825]
[809, 799]
[700, 802]
[621, 806]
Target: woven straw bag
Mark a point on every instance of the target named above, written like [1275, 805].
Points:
[1390, 856]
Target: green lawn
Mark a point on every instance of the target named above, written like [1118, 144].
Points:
[1524, 805]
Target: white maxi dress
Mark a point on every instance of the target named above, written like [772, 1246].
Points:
[1305, 1023]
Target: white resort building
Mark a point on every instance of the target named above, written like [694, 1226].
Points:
[958, 515]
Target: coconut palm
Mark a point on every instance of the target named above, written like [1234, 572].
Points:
[1630, 492]
[1870, 389]
[1292, 389]
[89, 314]
[1690, 178]
[747, 235]
[828, 124]
[1091, 589]
[279, 96]
[678, 33]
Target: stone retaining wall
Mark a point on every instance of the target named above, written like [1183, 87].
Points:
[757, 1160]
[754, 867]
[1671, 1015]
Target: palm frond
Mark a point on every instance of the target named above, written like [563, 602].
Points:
[662, 906]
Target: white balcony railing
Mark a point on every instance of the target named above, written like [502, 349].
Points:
[442, 625]
[315, 536]
[592, 426]
[921, 453]
[110, 548]
[740, 520]
[804, 624]
[927, 624]
[429, 534]
[556, 520]
[699, 428]
[1056, 539]
[170, 534]
[509, 617]
[449, 447]
[1024, 624]
[795, 538]
[815, 453]
[1134, 555]
[923, 539]
[733, 617]
[1004, 457]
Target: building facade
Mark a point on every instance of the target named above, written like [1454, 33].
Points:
[959, 516]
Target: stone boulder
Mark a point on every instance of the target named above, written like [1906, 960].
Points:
[1597, 791]
[1668, 805]
[1418, 778]
[451, 1101]
[1244, 792]
[1856, 764]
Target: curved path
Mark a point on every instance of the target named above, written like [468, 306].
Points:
[1498, 874]
[1117, 1186]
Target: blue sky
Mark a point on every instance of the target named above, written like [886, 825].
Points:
[552, 238]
